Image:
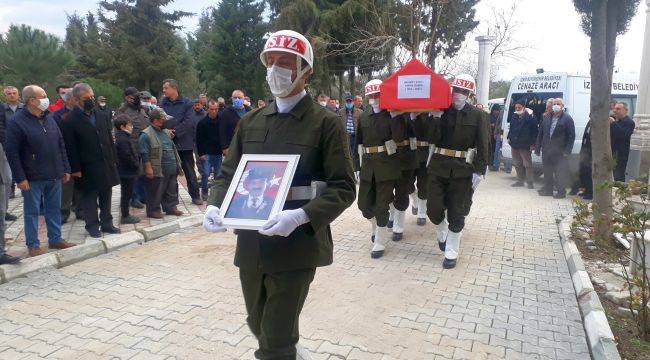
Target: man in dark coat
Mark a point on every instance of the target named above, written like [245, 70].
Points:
[555, 143]
[180, 108]
[522, 137]
[621, 128]
[89, 142]
[230, 118]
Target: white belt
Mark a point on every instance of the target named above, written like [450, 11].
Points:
[448, 152]
[306, 192]
[374, 149]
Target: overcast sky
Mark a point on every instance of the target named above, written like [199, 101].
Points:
[552, 26]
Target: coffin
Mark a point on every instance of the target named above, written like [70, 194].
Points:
[415, 88]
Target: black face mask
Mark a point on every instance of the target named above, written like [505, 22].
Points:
[89, 104]
[136, 103]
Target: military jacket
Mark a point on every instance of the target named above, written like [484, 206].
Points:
[375, 130]
[460, 130]
[403, 131]
[421, 126]
[318, 136]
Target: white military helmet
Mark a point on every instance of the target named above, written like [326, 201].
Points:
[464, 81]
[372, 86]
[291, 42]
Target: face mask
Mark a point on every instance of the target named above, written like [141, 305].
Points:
[279, 80]
[349, 106]
[459, 100]
[136, 103]
[88, 104]
[236, 102]
[43, 104]
[102, 104]
[557, 108]
[323, 103]
[373, 101]
[519, 112]
[247, 103]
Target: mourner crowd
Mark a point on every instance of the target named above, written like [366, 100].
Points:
[67, 156]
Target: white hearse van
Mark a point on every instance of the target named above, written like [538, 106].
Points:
[575, 90]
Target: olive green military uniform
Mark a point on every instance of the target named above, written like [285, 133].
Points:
[421, 130]
[402, 133]
[450, 178]
[276, 272]
[378, 173]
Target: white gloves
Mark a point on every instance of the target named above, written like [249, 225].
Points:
[476, 179]
[284, 223]
[212, 220]
[437, 113]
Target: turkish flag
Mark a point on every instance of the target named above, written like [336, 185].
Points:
[415, 88]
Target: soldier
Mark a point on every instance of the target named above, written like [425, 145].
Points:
[277, 263]
[404, 137]
[419, 195]
[377, 149]
[458, 156]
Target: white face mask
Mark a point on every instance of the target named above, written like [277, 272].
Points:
[557, 108]
[43, 104]
[279, 80]
[323, 103]
[519, 112]
[459, 100]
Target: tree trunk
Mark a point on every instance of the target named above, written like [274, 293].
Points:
[602, 46]
[352, 78]
[340, 85]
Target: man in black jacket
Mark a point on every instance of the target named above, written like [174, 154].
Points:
[89, 143]
[555, 142]
[621, 128]
[208, 145]
[522, 137]
[230, 118]
[128, 164]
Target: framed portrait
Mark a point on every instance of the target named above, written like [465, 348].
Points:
[258, 190]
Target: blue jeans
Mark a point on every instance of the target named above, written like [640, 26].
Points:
[139, 189]
[213, 162]
[50, 192]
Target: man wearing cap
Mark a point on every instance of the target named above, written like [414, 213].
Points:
[458, 156]
[133, 109]
[405, 140]
[350, 118]
[278, 262]
[522, 137]
[421, 123]
[256, 204]
[378, 175]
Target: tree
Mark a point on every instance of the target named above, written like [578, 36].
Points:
[233, 37]
[83, 39]
[31, 56]
[140, 46]
[603, 21]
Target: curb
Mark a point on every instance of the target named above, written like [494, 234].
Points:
[92, 248]
[599, 335]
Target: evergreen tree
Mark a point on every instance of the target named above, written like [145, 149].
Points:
[140, 44]
[228, 44]
[31, 56]
[83, 39]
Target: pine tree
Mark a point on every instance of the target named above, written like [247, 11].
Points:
[231, 39]
[31, 56]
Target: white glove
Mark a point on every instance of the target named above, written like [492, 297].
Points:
[476, 179]
[284, 223]
[212, 220]
[437, 113]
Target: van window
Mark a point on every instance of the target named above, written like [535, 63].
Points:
[533, 101]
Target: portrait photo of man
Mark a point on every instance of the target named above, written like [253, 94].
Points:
[256, 204]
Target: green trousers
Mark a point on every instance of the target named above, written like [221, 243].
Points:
[374, 200]
[274, 302]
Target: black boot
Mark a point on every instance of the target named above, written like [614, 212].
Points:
[422, 221]
[397, 236]
[448, 264]
[390, 224]
[442, 245]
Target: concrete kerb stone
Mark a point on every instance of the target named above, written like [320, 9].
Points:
[190, 221]
[599, 333]
[81, 252]
[26, 266]
[160, 230]
[114, 242]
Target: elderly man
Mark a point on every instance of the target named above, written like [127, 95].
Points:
[7, 111]
[261, 103]
[89, 142]
[555, 143]
[37, 156]
[621, 128]
[323, 100]
[522, 137]
[350, 116]
[162, 165]
[203, 99]
[208, 145]
[230, 117]
[358, 102]
[180, 109]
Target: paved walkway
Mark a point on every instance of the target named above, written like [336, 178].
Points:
[74, 230]
[179, 297]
